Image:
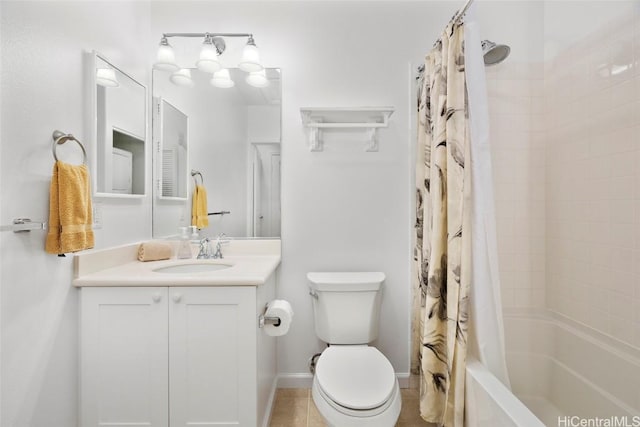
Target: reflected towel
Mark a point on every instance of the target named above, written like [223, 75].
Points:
[154, 251]
[70, 213]
[199, 216]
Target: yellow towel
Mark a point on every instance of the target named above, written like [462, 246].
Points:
[70, 214]
[199, 216]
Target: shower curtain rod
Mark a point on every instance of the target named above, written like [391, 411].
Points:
[456, 16]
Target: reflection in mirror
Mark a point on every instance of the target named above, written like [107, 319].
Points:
[234, 142]
[120, 132]
[173, 149]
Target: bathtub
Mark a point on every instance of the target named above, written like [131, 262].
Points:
[561, 373]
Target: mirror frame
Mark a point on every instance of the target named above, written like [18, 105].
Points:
[93, 131]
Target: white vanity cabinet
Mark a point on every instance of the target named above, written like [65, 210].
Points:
[175, 356]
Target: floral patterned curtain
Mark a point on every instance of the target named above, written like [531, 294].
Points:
[443, 252]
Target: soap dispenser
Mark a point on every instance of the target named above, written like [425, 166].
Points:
[184, 246]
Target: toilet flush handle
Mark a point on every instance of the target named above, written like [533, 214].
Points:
[313, 293]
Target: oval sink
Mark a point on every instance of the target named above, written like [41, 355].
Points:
[191, 268]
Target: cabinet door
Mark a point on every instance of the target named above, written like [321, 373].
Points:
[212, 356]
[123, 342]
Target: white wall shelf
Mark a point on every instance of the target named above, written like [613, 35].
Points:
[368, 118]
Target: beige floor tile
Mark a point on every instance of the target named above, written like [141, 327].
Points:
[410, 412]
[290, 411]
[293, 392]
[295, 408]
[414, 381]
[315, 419]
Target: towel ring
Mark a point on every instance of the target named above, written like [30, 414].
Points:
[194, 173]
[60, 138]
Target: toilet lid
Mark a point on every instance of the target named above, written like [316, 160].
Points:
[356, 377]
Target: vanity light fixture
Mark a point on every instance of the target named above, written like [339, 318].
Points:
[166, 57]
[222, 79]
[258, 79]
[250, 61]
[209, 61]
[182, 77]
[212, 49]
[107, 77]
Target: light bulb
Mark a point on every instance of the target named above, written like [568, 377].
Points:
[222, 79]
[166, 57]
[258, 79]
[107, 77]
[182, 77]
[250, 61]
[208, 61]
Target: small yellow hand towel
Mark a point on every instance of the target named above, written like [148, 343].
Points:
[199, 216]
[154, 251]
[70, 212]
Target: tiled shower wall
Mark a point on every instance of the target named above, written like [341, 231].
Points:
[518, 153]
[592, 103]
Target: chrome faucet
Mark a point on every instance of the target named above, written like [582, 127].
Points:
[219, 242]
[205, 249]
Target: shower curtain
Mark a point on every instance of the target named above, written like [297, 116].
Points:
[443, 240]
[455, 229]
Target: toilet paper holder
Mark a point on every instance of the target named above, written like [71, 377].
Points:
[267, 320]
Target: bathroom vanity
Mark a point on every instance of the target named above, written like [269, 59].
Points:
[167, 344]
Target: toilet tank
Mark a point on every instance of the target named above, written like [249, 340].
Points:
[346, 306]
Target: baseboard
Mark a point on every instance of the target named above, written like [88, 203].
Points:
[303, 380]
[403, 379]
[266, 418]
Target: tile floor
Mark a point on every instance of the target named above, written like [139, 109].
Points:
[294, 407]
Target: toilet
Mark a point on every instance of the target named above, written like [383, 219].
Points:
[354, 384]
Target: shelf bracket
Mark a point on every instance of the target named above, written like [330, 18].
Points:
[372, 141]
[315, 141]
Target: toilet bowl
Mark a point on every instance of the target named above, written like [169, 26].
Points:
[354, 384]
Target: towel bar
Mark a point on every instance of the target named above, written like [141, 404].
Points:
[60, 138]
[194, 173]
[20, 225]
[221, 213]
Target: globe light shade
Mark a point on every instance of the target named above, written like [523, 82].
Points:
[165, 58]
[182, 77]
[107, 77]
[258, 79]
[222, 79]
[250, 61]
[209, 62]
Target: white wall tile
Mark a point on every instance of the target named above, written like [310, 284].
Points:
[593, 207]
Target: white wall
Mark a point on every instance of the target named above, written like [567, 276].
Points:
[263, 123]
[42, 90]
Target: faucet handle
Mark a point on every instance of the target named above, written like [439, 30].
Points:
[205, 249]
[222, 239]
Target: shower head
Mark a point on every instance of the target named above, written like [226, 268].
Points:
[494, 53]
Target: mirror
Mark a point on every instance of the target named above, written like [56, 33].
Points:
[120, 131]
[231, 140]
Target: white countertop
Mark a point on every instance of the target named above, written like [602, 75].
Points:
[252, 263]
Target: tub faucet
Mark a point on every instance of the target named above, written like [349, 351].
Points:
[205, 249]
[219, 242]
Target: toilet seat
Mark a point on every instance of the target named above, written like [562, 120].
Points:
[357, 379]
